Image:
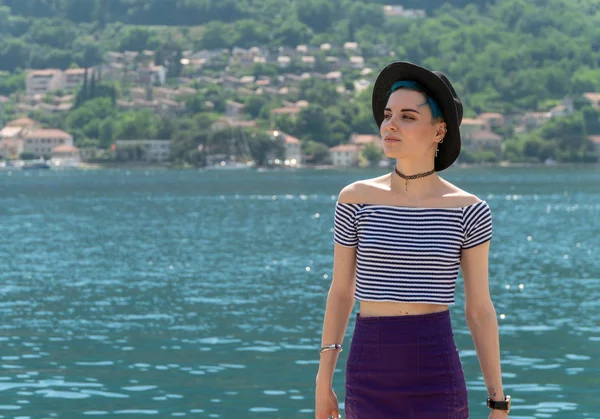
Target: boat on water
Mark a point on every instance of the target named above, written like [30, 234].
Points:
[231, 165]
[54, 164]
[38, 165]
[9, 165]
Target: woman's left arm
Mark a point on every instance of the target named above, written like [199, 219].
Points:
[481, 319]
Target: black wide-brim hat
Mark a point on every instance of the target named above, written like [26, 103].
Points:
[439, 88]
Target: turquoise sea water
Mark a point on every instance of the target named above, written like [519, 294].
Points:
[201, 294]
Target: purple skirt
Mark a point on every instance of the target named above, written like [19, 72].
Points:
[405, 367]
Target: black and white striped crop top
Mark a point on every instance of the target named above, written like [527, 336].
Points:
[409, 254]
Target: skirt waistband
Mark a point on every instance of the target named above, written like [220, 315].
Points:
[398, 329]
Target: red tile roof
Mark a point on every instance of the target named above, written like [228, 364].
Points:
[47, 133]
[22, 122]
[345, 147]
[64, 148]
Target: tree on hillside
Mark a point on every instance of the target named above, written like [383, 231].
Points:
[291, 33]
[373, 154]
[315, 152]
[14, 53]
[138, 39]
[263, 146]
[318, 14]
[87, 52]
[312, 124]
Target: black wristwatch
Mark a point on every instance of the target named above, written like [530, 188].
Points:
[497, 405]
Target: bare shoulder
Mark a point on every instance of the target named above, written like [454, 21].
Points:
[459, 197]
[360, 191]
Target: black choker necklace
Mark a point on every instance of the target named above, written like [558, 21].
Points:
[412, 177]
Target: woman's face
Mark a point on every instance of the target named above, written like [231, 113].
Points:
[408, 129]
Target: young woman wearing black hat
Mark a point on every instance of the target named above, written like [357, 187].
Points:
[400, 240]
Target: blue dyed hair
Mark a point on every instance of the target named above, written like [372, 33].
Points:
[411, 85]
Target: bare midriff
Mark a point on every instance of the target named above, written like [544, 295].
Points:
[390, 308]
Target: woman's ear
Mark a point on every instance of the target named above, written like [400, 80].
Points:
[441, 131]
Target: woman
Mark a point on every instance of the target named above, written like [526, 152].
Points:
[400, 240]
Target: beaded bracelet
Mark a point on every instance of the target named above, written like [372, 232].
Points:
[331, 347]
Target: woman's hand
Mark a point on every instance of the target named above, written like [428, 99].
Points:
[498, 414]
[326, 403]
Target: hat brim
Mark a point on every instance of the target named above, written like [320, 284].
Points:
[449, 149]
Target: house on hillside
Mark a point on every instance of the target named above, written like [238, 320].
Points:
[292, 148]
[42, 141]
[43, 81]
[492, 119]
[400, 11]
[155, 75]
[233, 109]
[484, 140]
[532, 120]
[477, 136]
[74, 77]
[23, 122]
[349, 154]
[345, 154]
[565, 108]
[11, 143]
[65, 155]
[364, 139]
[594, 98]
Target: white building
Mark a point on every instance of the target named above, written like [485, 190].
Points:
[65, 156]
[565, 108]
[357, 62]
[155, 150]
[484, 140]
[284, 61]
[350, 46]
[74, 77]
[400, 11]
[11, 144]
[11, 136]
[42, 141]
[292, 145]
[345, 154]
[472, 125]
[39, 82]
[309, 61]
[233, 109]
[154, 75]
[10, 132]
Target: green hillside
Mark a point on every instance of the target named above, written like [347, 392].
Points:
[508, 56]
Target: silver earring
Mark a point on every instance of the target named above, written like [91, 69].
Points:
[437, 146]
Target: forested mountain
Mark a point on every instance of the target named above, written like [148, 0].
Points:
[503, 54]
[509, 56]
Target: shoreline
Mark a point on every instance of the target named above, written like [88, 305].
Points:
[330, 167]
[156, 166]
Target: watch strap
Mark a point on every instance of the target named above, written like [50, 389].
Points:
[499, 405]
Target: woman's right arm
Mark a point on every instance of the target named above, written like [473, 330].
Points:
[340, 302]
[340, 298]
